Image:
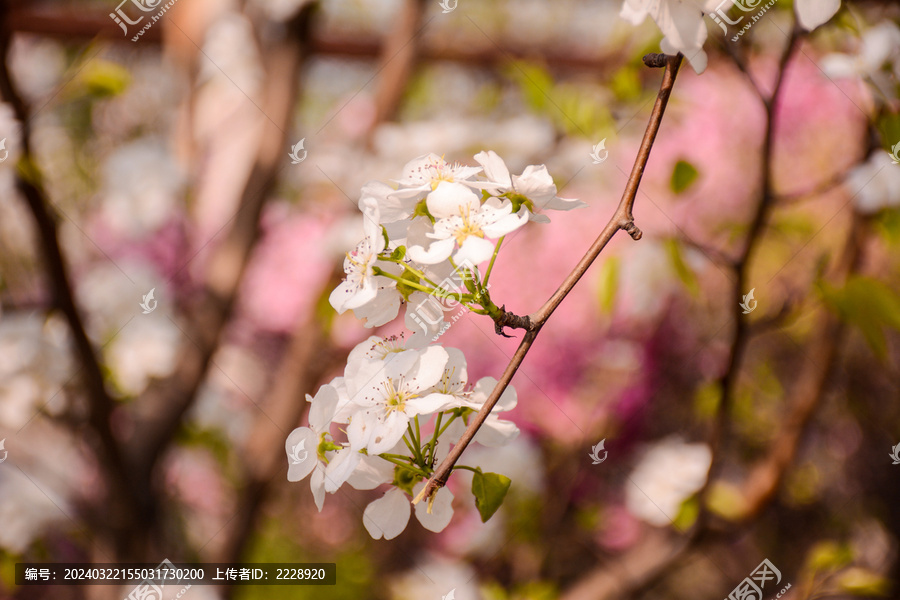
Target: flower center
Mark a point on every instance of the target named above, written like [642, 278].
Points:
[396, 395]
[469, 226]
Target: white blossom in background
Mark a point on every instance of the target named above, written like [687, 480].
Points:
[142, 184]
[26, 511]
[434, 576]
[110, 293]
[668, 473]
[146, 347]
[875, 184]
[877, 59]
[36, 365]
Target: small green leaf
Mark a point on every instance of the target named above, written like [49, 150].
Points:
[489, 490]
[687, 514]
[104, 78]
[867, 304]
[682, 270]
[626, 84]
[609, 284]
[889, 127]
[828, 555]
[862, 582]
[683, 175]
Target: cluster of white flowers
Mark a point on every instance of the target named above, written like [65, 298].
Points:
[440, 223]
[402, 402]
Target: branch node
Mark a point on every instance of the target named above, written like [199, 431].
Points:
[514, 321]
[632, 230]
[655, 61]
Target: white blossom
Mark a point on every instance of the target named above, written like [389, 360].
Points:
[669, 472]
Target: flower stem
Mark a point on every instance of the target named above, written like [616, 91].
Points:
[487, 274]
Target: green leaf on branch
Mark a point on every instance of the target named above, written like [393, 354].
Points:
[867, 304]
[682, 270]
[683, 175]
[829, 555]
[489, 490]
[863, 582]
[888, 126]
[104, 78]
[609, 284]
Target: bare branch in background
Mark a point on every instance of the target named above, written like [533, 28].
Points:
[398, 58]
[162, 407]
[123, 500]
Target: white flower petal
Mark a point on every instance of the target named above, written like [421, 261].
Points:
[371, 472]
[450, 200]
[496, 432]
[430, 367]
[317, 485]
[387, 517]
[387, 433]
[339, 468]
[383, 308]
[441, 509]
[300, 447]
[431, 403]
[476, 250]
[438, 251]
[812, 13]
[322, 408]
[495, 169]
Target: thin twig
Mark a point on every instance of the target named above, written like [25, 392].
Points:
[728, 380]
[622, 219]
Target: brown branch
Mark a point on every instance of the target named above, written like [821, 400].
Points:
[398, 57]
[88, 25]
[122, 499]
[728, 380]
[622, 219]
[766, 477]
